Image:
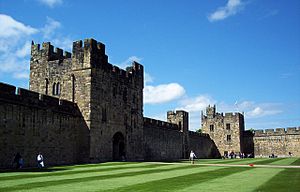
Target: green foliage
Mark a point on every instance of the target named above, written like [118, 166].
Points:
[199, 130]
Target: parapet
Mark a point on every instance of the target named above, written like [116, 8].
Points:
[277, 131]
[49, 52]
[148, 122]
[29, 98]
[7, 89]
[193, 133]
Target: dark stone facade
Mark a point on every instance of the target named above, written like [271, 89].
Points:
[80, 109]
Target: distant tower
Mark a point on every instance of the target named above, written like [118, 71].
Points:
[226, 131]
[181, 118]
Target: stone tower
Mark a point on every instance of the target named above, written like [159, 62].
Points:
[225, 130]
[110, 99]
[181, 118]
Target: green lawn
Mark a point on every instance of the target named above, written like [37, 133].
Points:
[136, 176]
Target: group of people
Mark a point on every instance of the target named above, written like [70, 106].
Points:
[18, 161]
[233, 155]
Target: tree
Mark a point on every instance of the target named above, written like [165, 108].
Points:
[199, 130]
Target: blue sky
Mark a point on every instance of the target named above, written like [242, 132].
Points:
[242, 55]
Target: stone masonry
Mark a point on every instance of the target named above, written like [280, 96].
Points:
[227, 131]
[81, 109]
[104, 119]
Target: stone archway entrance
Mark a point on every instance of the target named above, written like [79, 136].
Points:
[118, 146]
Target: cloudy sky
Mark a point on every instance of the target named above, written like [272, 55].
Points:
[242, 55]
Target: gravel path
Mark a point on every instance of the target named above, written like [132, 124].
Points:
[234, 165]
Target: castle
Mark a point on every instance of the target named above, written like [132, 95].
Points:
[82, 109]
[229, 135]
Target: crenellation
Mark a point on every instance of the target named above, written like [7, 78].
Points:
[28, 96]
[229, 115]
[259, 132]
[193, 133]
[269, 131]
[48, 100]
[280, 130]
[7, 89]
[225, 130]
[293, 130]
[95, 109]
[148, 122]
[48, 52]
[67, 54]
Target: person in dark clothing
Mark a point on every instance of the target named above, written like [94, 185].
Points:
[16, 161]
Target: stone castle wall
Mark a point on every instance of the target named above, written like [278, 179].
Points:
[225, 130]
[31, 123]
[202, 145]
[166, 141]
[110, 99]
[278, 142]
[162, 140]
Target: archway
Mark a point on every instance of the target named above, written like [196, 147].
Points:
[118, 146]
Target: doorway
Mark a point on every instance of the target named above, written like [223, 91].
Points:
[118, 147]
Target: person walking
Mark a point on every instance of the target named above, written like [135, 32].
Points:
[192, 156]
[16, 161]
[40, 160]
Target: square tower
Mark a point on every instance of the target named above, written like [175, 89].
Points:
[225, 130]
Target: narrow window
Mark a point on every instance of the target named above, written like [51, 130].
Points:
[179, 124]
[73, 88]
[58, 89]
[211, 128]
[227, 126]
[54, 89]
[104, 117]
[47, 84]
[228, 138]
[114, 91]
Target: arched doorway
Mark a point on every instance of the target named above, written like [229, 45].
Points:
[118, 146]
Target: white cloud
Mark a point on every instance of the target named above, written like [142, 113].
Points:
[15, 44]
[12, 28]
[148, 78]
[260, 112]
[252, 109]
[194, 106]
[25, 50]
[197, 104]
[21, 75]
[232, 7]
[50, 27]
[128, 62]
[64, 43]
[51, 3]
[162, 93]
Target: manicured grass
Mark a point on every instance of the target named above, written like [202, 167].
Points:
[178, 176]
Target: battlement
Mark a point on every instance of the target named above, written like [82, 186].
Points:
[135, 70]
[88, 44]
[148, 122]
[48, 52]
[277, 131]
[226, 115]
[193, 133]
[33, 99]
[85, 55]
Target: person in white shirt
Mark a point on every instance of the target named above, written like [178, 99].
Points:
[40, 160]
[192, 156]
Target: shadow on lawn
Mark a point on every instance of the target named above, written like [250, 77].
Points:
[26, 170]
